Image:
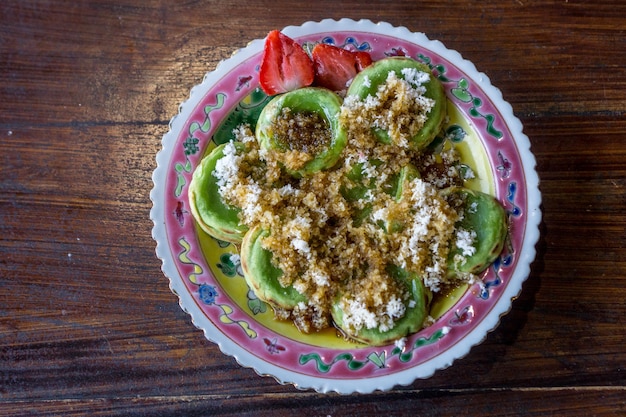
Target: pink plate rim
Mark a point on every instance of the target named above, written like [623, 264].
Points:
[357, 370]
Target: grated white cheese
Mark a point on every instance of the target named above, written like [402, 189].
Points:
[400, 343]
[380, 214]
[415, 76]
[367, 83]
[301, 246]
[226, 168]
[243, 134]
[320, 278]
[288, 191]
[357, 316]
[395, 308]
[368, 170]
[465, 241]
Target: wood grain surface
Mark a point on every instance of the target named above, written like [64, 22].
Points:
[88, 325]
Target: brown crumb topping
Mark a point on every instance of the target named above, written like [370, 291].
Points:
[316, 239]
[301, 136]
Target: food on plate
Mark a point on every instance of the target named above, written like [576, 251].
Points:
[262, 275]
[211, 213]
[302, 131]
[285, 66]
[335, 67]
[345, 215]
[400, 318]
[483, 222]
[420, 120]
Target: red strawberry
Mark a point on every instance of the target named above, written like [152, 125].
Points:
[363, 60]
[335, 67]
[285, 66]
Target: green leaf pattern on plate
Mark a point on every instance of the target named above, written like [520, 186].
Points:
[378, 359]
[462, 93]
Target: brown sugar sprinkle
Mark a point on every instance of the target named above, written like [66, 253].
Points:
[315, 239]
[301, 135]
[306, 132]
[397, 108]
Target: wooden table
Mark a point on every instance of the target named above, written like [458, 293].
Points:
[88, 325]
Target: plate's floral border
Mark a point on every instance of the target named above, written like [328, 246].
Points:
[216, 107]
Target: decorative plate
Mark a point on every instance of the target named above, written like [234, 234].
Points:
[206, 274]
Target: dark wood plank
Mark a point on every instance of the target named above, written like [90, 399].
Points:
[88, 324]
[503, 402]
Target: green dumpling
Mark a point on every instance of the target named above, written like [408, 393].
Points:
[302, 128]
[484, 223]
[416, 311]
[355, 184]
[261, 274]
[396, 188]
[366, 84]
[211, 213]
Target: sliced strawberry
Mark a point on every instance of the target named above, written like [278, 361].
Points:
[335, 66]
[285, 66]
[363, 60]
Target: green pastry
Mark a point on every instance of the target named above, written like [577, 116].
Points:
[261, 274]
[302, 128]
[212, 214]
[367, 82]
[480, 234]
[416, 311]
